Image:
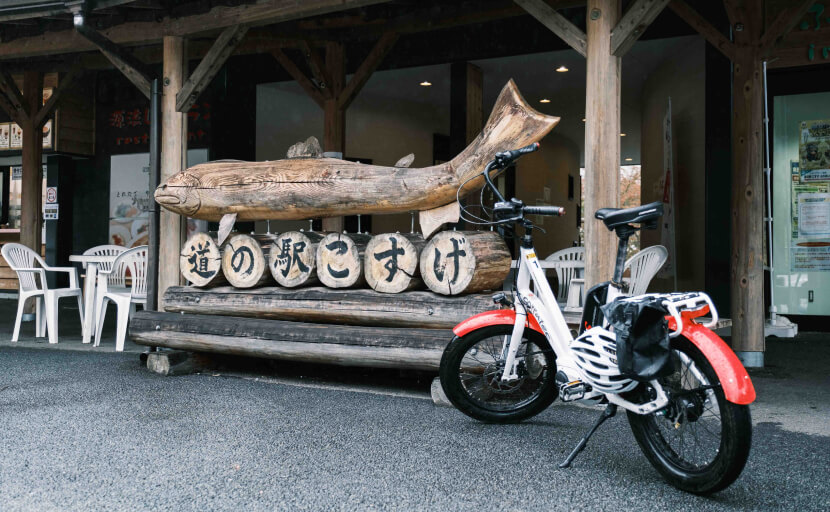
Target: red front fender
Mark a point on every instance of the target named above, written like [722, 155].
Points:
[494, 317]
[733, 377]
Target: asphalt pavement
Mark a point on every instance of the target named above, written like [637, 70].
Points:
[83, 430]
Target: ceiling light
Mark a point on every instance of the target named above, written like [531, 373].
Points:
[426, 84]
[583, 119]
[629, 159]
[544, 100]
[561, 69]
[622, 135]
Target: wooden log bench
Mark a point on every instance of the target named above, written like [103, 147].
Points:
[378, 347]
[420, 309]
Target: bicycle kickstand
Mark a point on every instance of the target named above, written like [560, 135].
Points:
[609, 412]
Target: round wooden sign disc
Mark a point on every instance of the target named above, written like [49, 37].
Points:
[448, 263]
[200, 259]
[338, 261]
[390, 262]
[292, 259]
[243, 261]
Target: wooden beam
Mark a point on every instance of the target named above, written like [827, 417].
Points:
[602, 139]
[734, 11]
[65, 83]
[556, 23]
[129, 66]
[633, 23]
[31, 187]
[364, 72]
[173, 159]
[13, 96]
[222, 48]
[9, 109]
[301, 78]
[318, 68]
[783, 23]
[334, 120]
[703, 27]
[151, 32]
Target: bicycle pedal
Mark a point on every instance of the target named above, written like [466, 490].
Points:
[574, 390]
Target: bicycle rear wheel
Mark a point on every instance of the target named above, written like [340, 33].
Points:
[471, 370]
[700, 442]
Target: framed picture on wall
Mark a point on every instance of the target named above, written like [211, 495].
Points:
[5, 136]
[16, 137]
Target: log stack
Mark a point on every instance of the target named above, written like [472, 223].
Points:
[455, 262]
[391, 262]
[340, 260]
[245, 260]
[293, 258]
[200, 261]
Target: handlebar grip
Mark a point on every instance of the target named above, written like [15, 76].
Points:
[509, 156]
[556, 211]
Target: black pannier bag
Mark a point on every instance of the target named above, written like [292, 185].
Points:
[642, 332]
[591, 312]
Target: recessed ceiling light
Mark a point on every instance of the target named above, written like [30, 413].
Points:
[426, 84]
[629, 159]
[544, 100]
[583, 119]
[561, 69]
[622, 135]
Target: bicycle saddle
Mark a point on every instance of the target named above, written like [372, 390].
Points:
[644, 214]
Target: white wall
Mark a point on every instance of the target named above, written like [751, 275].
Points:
[379, 128]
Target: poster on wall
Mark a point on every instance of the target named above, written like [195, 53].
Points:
[810, 209]
[5, 136]
[47, 135]
[16, 136]
[129, 200]
[814, 150]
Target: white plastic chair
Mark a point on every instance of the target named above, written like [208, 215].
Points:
[132, 260]
[33, 283]
[116, 279]
[565, 273]
[644, 266]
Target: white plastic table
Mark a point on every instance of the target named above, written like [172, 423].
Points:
[90, 263]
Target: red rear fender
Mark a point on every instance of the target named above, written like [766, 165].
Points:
[733, 377]
[494, 317]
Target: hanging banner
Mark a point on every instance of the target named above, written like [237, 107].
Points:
[668, 270]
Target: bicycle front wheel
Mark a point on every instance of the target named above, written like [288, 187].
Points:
[471, 370]
[700, 442]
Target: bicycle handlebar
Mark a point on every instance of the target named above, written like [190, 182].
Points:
[507, 157]
[556, 211]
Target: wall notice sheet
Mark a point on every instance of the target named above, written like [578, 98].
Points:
[810, 200]
[814, 150]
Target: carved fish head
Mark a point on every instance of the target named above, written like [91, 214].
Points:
[180, 194]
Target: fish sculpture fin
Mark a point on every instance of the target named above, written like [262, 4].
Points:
[405, 161]
[431, 220]
[225, 227]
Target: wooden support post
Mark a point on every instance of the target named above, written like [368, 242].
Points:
[466, 105]
[334, 127]
[173, 157]
[602, 139]
[32, 184]
[747, 287]
[558, 24]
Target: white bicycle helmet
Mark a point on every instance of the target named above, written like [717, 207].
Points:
[596, 355]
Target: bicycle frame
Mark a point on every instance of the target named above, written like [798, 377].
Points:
[542, 305]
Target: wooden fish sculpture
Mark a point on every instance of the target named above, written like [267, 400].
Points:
[305, 188]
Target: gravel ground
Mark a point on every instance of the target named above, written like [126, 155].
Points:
[95, 431]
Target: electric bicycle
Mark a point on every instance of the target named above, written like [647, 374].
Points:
[691, 420]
